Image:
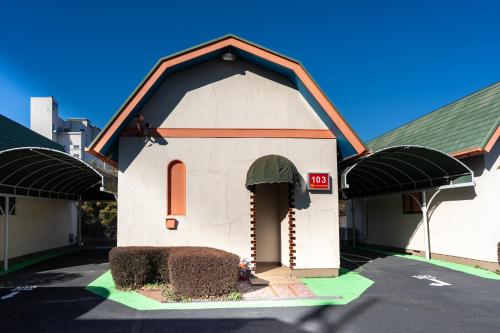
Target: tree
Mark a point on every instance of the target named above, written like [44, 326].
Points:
[99, 219]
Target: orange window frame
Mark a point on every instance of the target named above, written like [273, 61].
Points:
[410, 206]
[176, 188]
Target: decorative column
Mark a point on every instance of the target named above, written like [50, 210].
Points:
[253, 232]
[291, 226]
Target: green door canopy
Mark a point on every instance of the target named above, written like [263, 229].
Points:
[404, 169]
[271, 169]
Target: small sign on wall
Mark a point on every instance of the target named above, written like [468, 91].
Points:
[319, 181]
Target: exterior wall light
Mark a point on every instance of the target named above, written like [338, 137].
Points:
[228, 56]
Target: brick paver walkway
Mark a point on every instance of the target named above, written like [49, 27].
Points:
[274, 291]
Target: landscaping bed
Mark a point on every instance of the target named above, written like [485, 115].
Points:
[176, 273]
[244, 291]
[164, 293]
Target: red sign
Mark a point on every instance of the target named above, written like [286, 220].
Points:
[319, 181]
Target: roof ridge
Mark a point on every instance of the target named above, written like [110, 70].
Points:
[459, 100]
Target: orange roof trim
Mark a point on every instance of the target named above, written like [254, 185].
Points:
[478, 150]
[234, 133]
[494, 138]
[229, 41]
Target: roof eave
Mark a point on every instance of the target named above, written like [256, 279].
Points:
[101, 140]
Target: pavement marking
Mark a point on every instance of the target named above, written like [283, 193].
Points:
[16, 291]
[12, 294]
[483, 273]
[436, 282]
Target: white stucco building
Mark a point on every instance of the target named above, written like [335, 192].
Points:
[215, 147]
[463, 223]
[40, 189]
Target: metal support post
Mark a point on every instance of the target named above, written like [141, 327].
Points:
[6, 214]
[353, 223]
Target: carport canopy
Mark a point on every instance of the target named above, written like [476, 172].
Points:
[49, 173]
[42, 172]
[404, 169]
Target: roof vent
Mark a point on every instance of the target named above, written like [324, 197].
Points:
[228, 56]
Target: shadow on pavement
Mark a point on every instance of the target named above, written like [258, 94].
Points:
[353, 258]
[73, 309]
[56, 270]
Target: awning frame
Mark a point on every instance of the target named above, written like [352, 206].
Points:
[363, 176]
[368, 164]
[83, 176]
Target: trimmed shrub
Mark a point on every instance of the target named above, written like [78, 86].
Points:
[134, 266]
[192, 271]
[201, 271]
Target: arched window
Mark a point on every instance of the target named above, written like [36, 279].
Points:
[176, 196]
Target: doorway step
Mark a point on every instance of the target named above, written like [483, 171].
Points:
[272, 274]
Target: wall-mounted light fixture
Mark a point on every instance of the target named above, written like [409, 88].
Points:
[228, 56]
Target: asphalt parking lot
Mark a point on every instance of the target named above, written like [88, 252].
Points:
[407, 296]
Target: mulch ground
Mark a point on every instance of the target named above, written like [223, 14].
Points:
[295, 290]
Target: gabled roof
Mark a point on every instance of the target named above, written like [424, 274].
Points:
[105, 144]
[468, 126]
[15, 135]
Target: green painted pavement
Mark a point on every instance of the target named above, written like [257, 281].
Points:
[483, 273]
[348, 286]
[36, 259]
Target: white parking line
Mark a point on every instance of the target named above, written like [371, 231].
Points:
[16, 291]
[436, 282]
[12, 294]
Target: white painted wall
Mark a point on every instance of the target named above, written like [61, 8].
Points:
[39, 224]
[43, 115]
[463, 222]
[72, 143]
[218, 204]
[221, 94]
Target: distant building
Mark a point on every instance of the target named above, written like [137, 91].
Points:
[73, 134]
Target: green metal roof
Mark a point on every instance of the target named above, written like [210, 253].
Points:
[464, 124]
[15, 135]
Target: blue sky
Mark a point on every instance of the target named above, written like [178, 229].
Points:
[382, 63]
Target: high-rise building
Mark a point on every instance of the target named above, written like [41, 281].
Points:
[74, 134]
